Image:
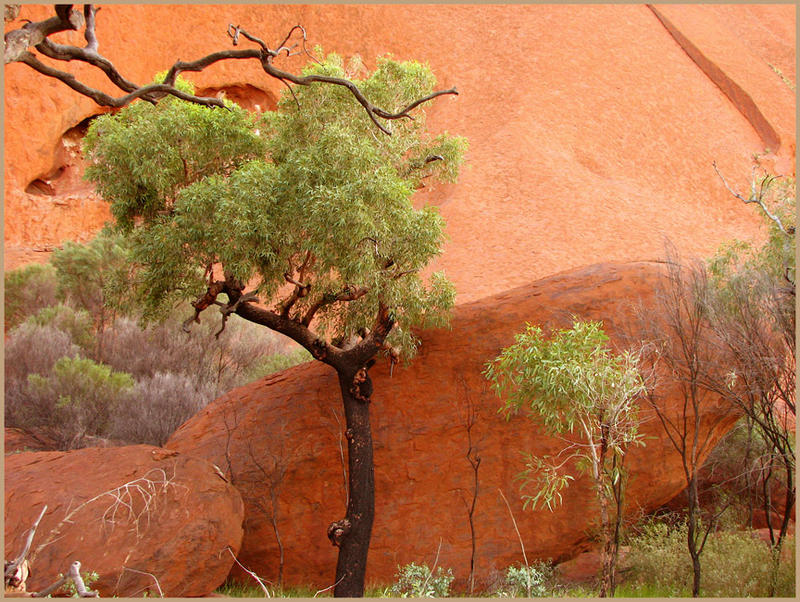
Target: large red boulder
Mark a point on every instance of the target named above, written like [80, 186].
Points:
[123, 512]
[280, 440]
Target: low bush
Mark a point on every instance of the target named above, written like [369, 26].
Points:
[417, 581]
[659, 557]
[76, 322]
[224, 362]
[527, 581]
[158, 405]
[27, 291]
[176, 373]
[31, 349]
[76, 399]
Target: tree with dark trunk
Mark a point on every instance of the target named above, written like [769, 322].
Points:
[299, 220]
[307, 207]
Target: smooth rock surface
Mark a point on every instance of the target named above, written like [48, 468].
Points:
[139, 507]
[592, 131]
[292, 422]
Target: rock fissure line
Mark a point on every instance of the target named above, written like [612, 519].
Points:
[743, 102]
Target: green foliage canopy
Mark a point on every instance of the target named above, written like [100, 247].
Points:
[569, 383]
[80, 395]
[311, 194]
[93, 276]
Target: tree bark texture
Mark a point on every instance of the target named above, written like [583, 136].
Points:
[356, 527]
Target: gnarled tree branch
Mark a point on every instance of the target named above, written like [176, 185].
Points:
[349, 293]
[36, 35]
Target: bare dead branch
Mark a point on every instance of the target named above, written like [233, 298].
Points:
[238, 30]
[513, 520]
[404, 112]
[282, 44]
[80, 586]
[89, 13]
[12, 567]
[63, 52]
[11, 12]
[103, 99]
[31, 34]
[132, 501]
[757, 196]
[249, 572]
[146, 574]
[323, 590]
[35, 35]
[433, 568]
[55, 586]
[202, 63]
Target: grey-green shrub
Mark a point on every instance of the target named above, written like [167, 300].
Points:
[31, 348]
[225, 361]
[76, 400]
[526, 581]
[76, 322]
[158, 405]
[417, 581]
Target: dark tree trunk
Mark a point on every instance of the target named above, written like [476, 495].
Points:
[352, 534]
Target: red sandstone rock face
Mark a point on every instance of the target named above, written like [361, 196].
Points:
[292, 419]
[592, 130]
[181, 538]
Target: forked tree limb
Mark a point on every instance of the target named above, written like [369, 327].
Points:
[757, 196]
[18, 42]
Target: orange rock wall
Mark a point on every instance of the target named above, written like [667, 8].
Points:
[423, 479]
[592, 130]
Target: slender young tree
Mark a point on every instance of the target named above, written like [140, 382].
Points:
[572, 383]
[299, 220]
[683, 352]
[752, 303]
